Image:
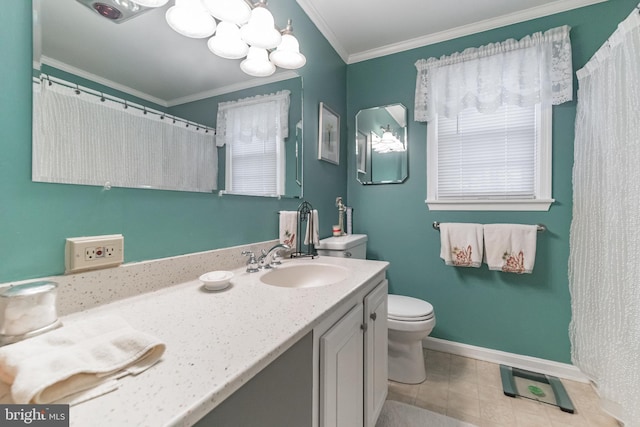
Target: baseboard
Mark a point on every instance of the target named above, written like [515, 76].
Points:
[543, 366]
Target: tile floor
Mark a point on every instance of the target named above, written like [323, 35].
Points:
[470, 390]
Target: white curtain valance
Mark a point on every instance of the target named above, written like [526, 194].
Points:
[81, 139]
[274, 105]
[508, 73]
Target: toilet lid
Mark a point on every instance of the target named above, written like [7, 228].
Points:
[410, 309]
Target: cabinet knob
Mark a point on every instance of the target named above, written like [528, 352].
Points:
[348, 254]
[374, 316]
[364, 327]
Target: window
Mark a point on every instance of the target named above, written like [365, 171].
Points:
[490, 161]
[489, 121]
[254, 130]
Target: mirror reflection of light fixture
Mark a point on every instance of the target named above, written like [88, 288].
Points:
[257, 63]
[243, 29]
[234, 11]
[237, 25]
[227, 42]
[388, 143]
[191, 19]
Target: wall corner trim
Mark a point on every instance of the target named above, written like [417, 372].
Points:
[543, 366]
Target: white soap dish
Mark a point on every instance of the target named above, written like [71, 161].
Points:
[216, 280]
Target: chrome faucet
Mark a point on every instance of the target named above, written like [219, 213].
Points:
[267, 258]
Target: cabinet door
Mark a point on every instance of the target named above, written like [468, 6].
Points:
[341, 372]
[376, 351]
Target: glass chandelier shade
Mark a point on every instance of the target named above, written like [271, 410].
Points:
[288, 55]
[227, 42]
[257, 63]
[260, 31]
[235, 11]
[191, 19]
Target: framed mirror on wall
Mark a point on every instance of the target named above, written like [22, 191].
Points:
[142, 62]
[381, 145]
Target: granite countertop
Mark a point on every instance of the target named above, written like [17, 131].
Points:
[216, 342]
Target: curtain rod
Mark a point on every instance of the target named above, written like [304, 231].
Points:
[541, 227]
[126, 104]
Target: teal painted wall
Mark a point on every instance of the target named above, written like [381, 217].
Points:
[523, 314]
[35, 218]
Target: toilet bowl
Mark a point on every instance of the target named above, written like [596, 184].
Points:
[409, 321]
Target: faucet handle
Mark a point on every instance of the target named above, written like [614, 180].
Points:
[252, 263]
[277, 258]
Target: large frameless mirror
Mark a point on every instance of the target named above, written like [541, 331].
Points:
[143, 62]
[381, 145]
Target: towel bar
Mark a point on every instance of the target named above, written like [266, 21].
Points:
[541, 227]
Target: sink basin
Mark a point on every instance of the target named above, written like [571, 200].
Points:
[307, 275]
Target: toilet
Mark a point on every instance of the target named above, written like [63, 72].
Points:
[409, 319]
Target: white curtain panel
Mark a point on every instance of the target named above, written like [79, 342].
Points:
[79, 139]
[604, 271]
[525, 72]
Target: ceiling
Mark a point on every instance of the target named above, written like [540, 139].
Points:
[145, 58]
[363, 29]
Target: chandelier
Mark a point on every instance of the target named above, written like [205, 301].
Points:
[236, 29]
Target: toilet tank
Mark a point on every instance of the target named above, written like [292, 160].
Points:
[347, 246]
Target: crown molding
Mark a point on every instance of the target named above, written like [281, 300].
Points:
[285, 75]
[326, 31]
[465, 30]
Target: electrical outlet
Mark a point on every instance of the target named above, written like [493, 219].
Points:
[87, 253]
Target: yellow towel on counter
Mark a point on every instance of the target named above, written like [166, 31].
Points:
[87, 356]
[510, 247]
[461, 244]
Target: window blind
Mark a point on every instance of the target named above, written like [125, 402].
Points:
[254, 165]
[488, 156]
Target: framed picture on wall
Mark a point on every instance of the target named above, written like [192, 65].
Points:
[361, 152]
[328, 135]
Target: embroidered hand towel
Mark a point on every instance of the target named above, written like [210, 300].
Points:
[288, 228]
[81, 357]
[461, 244]
[312, 221]
[510, 247]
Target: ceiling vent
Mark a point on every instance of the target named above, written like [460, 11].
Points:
[117, 11]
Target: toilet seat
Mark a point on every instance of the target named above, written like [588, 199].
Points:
[408, 309]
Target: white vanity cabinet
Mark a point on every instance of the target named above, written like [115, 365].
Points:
[375, 354]
[353, 361]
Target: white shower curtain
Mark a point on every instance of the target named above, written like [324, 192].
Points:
[80, 139]
[604, 263]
